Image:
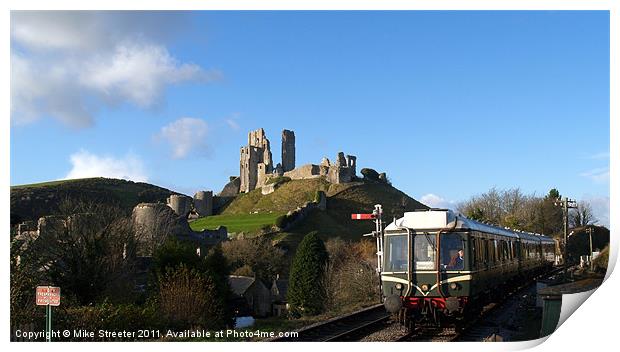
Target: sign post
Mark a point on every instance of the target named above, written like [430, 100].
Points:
[48, 296]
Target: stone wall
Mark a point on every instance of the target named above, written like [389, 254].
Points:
[342, 171]
[231, 189]
[304, 172]
[298, 215]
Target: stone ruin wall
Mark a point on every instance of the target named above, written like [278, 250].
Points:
[288, 150]
[256, 164]
[203, 203]
[342, 171]
[155, 222]
[255, 161]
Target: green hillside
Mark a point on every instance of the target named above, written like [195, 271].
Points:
[29, 202]
[250, 213]
[253, 211]
[336, 220]
[236, 223]
[288, 196]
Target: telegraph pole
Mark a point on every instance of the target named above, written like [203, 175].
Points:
[589, 231]
[566, 204]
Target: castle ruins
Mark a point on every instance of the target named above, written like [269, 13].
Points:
[256, 164]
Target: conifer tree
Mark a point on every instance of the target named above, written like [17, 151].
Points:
[306, 294]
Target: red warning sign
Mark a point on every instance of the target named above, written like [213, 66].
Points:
[48, 295]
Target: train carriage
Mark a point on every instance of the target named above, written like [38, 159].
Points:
[438, 264]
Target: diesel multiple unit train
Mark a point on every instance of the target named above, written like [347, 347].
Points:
[437, 265]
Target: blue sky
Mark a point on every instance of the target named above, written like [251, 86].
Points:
[449, 104]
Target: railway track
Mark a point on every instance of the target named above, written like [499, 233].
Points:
[474, 329]
[350, 327]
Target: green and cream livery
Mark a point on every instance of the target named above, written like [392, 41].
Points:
[438, 264]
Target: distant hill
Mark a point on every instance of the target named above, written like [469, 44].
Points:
[249, 212]
[29, 202]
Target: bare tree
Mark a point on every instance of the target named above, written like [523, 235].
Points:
[257, 254]
[87, 252]
[582, 215]
[350, 276]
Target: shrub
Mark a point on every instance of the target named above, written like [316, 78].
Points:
[189, 298]
[350, 277]
[282, 221]
[306, 293]
[370, 174]
[600, 263]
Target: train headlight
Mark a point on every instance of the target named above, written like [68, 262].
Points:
[454, 286]
[399, 286]
[424, 287]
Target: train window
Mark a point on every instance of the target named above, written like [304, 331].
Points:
[474, 253]
[424, 252]
[396, 256]
[452, 253]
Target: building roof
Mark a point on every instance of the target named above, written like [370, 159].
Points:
[240, 284]
[282, 286]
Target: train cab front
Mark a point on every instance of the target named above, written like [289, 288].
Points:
[416, 285]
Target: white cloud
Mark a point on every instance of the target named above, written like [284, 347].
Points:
[138, 73]
[85, 164]
[232, 124]
[600, 175]
[68, 65]
[601, 155]
[185, 135]
[600, 208]
[435, 201]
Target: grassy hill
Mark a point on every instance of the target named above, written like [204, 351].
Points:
[288, 196]
[252, 211]
[236, 223]
[344, 200]
[248, 213]
[29, 202]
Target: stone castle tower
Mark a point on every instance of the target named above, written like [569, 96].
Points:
[288, 150]
[256, 161]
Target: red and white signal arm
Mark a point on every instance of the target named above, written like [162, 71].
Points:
[362, 216]
[48, 295]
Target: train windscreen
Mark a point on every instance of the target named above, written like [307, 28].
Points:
[424, 252]
[396, 256]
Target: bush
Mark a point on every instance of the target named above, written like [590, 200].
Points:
[600, 263]
[173, 253]
[306, 293]
[187, 298]
[370, 175]
[350, 277]
[282, 221]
